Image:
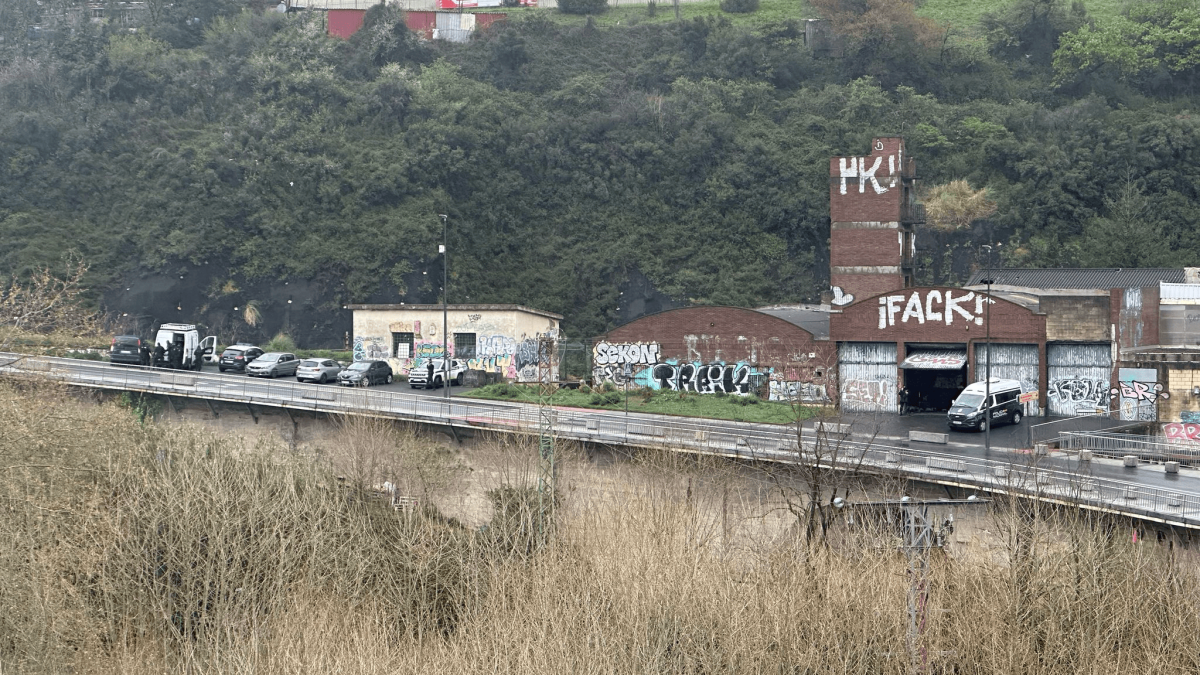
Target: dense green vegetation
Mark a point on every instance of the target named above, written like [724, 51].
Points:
[571, 153]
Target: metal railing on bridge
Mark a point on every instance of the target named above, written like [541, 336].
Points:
[1151, 449]
[1037, 477]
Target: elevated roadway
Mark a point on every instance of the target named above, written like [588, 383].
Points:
[1146, 492]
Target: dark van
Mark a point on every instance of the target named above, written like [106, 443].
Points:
[127, 349]
[1002, 404]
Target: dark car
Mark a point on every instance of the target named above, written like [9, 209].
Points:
[237, 357]
[365, 374]
[129, 350]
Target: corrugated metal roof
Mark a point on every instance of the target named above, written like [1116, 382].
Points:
[1169, 291]
[1064, 277]
[815, 320]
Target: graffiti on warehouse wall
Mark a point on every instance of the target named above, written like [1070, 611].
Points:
[739, 379]
[934, 308]
[1139, 392]
[1182, 432]
[622, 362]
[370, 348]
[1078, 395]
[869, 393]
[803, 392]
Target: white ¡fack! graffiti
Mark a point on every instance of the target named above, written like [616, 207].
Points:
[933, 308]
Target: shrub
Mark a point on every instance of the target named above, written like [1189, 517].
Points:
[609, 386]
[282, 342]
[746, 400]
[651, 8]
[596, 399]
[612, 398]
[739, 6]
[583, 6]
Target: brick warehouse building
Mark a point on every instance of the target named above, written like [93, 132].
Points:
[722, 349]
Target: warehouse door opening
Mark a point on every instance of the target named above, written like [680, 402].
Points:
[933, 377]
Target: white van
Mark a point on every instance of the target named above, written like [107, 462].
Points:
[178, 345]
[968, 410]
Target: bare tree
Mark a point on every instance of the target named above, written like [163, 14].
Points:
[48, 305]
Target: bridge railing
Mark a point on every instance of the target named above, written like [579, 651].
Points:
[1033, 477]
[1152, 449]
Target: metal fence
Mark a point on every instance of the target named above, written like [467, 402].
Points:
[1037, 477]
[1152, 449]
[1103, 421]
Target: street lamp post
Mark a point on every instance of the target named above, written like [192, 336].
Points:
[445, 313]
[987, 372]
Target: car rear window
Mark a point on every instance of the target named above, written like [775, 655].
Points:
[309, 364]
[231, 352]
[127, 341]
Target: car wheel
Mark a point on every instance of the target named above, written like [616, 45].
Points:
[321, 380]
[220, 369]
[458, 380]
[1016, 417]
[389, 379]
[366, 381]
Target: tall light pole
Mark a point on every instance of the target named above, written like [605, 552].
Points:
[445, 313]
[987, 372]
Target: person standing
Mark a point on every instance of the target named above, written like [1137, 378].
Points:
[903, 396]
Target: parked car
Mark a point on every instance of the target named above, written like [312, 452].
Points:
[318, 370]
[237, 357]
[418, 375]
[129, 350]
[273, 364]
[365, 374]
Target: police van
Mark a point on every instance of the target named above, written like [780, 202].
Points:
[1000, 401]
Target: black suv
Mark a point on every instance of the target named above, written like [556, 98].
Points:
[129, 350]
[237, 356]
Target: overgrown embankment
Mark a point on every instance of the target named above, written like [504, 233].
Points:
[137, 548]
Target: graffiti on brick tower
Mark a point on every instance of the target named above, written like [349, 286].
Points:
[866, 170]
[840, 297]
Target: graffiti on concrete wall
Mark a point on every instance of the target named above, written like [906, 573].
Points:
[1190, 416]
[370, 348]
[1138, 391]
[934, 307]
[1182, 432]
[869, 393]
[1078, 396]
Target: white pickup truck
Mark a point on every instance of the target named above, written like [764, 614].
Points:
[418, 375]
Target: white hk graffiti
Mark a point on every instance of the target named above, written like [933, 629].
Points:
[856, 167]
[645, 353]
[932, 308]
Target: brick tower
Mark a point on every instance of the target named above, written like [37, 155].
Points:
[872, 210]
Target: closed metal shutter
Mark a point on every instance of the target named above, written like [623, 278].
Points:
[867, 376]
[1078, 377]
[1011, 362]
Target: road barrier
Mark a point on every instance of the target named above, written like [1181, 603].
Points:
[1037, 477]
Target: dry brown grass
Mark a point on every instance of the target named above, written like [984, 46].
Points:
[130, 548]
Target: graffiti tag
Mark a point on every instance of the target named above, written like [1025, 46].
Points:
[1182, 432]
[856, 168]
[806, 392]
[933, 308]
[644, 353]
[868, 392]
[370, 348]
[703, 379]
[1190, 416]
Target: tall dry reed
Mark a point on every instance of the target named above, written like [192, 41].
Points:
[131, 548]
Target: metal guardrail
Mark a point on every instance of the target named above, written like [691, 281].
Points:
[1103, 421]
[1149, 449]
[775, 443]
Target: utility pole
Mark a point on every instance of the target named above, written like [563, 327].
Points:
[445, 313]
[547, 348]
[987, 373]
[918, 539]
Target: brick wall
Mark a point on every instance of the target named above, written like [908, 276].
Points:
[1077, 318]
[1178, 383]
[860, 247]
[865, 199]
[729, 335]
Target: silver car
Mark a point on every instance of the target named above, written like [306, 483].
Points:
[273, 364]
[318, 370]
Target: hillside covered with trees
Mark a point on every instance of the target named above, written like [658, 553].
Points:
[575, 157]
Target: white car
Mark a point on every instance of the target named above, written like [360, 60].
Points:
[418, 375]
[318, 370]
